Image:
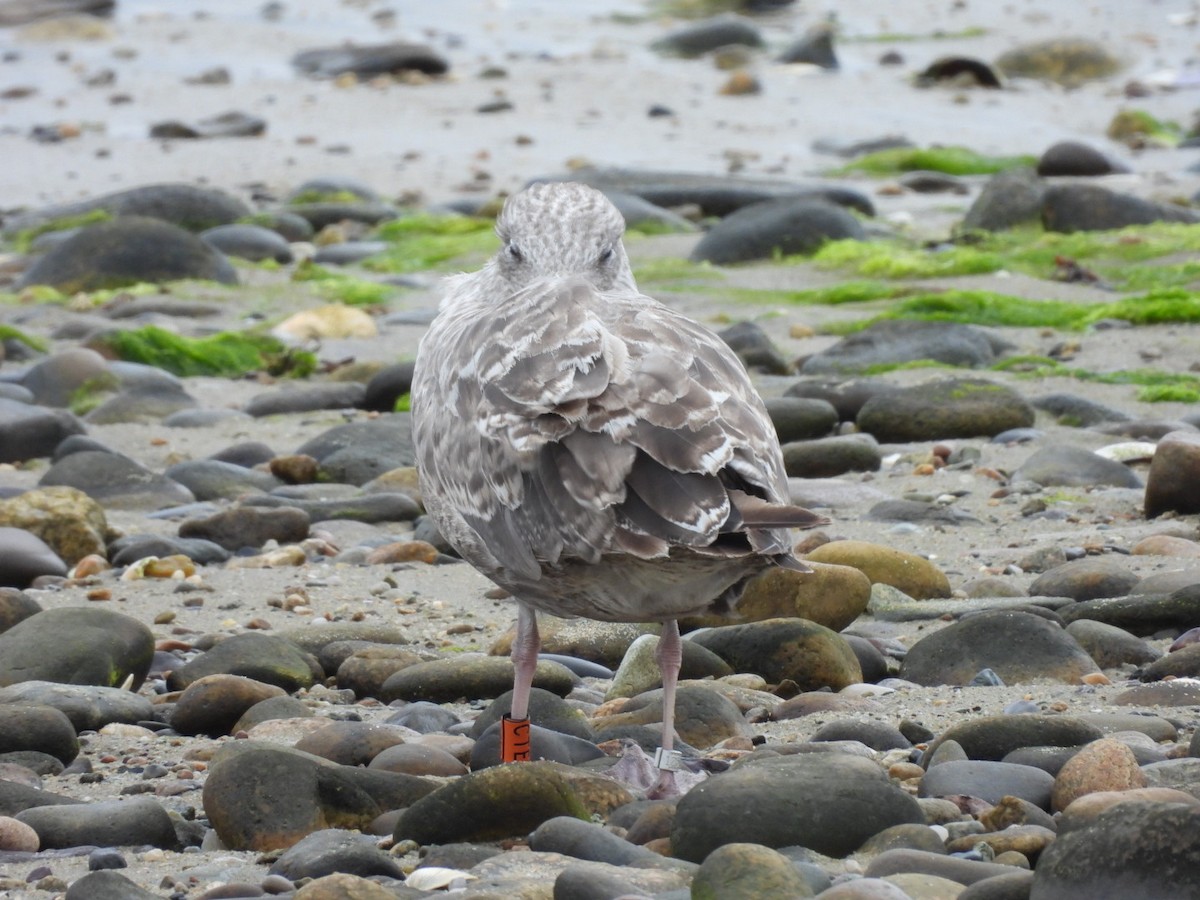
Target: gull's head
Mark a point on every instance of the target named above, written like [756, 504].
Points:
[561, 230]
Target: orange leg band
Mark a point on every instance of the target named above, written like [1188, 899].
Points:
[514, 740]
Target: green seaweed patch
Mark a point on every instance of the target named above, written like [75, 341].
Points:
[1137, 128]
[1114, 255]
[950, 160]
[884, 368]
[316, 196]
[92, 393]
[889, 259]
[9, 333]
[343, 288]
[229, 354]
[1155, 386]
[25, 237]
[676, 273]
[830, 295]
[403, 403]
[422, 242]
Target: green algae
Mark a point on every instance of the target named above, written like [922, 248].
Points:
[950, 160]
[1117, 257]
[675, 273]
[898, 37]
[403, 403]
[889, 259]
[229, 354]
[341, 287]
[92, 393]
[830, 295]
[9, 333]
[1137, 128]
[421, 242]
[1155, 385]
[25, 237]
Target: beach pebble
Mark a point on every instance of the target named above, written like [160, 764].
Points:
[1183, 663]
[263, 797]
[106, 858]
[252, 242]
[1077, 411]
[1149, 848]
[876, 735]
[755, 348]
[988, 780]
[212, 704]
[1076, 158]
[265, 658]
[745, 871]
[1111, 646]
[77, 645]
[916, 576]
[25, 557]
[387, 386]
[88, 707]
[352, 743]
[814, 47]
[360, 451]
[800, 418]
[545, 707]
[1068, 61]
[791, 800]
[1019, 646]
[234, 123]
[587, 841]
[15, 606]
[1008, 199]
[191, 206]
[785, 226]
[333, 850]
[126, 251]
[115, 481]
[893, 342]
[273, 708]
[17, 836]
[306, 398]
[831, 595]
[709, 34]
[249, 526]
[150, 403]
[1088, 578]
[809, 654]
[478, 806]
[134, 547]
[53, 380]
[1142, 615]
[1173, 483]
[944, 409]
[31, 726]
[366, 670]
[703, 717]
[367, 61]
[832, 456]
[469, 675]
[1088, 207]
[938, 865]
[103, 823]
[212, 479]
[1103, 765]
[29, 432]
[108, 884]
[995, 737]
[419, 759]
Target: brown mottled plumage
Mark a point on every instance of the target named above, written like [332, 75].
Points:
[590, 450]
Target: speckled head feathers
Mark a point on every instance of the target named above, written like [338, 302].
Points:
[560, 228]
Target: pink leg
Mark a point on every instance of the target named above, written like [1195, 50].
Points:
[524, 656]
[670, 658]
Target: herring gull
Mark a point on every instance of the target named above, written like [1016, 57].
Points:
[591, 451]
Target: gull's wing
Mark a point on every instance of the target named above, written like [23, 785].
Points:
[570, 424]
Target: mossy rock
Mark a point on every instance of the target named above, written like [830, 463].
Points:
[76, 645]
[1066, 61]
[945, 409]
[126, 252]
[67, 519]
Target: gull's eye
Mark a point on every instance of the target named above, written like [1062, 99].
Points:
[514, 253]
[606, 256]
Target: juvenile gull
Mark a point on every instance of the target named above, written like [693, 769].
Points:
[588, 449]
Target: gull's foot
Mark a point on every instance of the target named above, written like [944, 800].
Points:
[639, 772]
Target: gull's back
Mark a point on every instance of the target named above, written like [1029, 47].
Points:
[585, 447]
